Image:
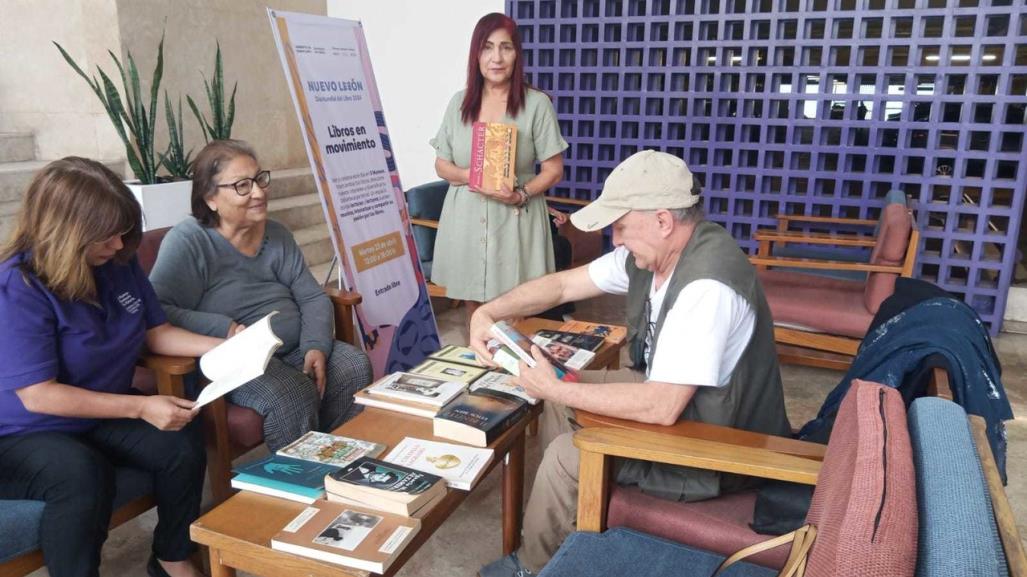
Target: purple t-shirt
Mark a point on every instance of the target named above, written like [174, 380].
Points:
[94, 347]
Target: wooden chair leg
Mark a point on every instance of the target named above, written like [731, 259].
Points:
[219, 452]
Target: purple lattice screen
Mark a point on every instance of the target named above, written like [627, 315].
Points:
[806, 106]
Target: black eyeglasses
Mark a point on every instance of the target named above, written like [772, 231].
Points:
[245, 186]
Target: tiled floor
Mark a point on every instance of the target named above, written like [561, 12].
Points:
[471, 537]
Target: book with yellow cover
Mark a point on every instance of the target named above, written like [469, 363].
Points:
[493, 155]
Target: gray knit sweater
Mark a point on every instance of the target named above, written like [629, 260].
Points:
[204, 283]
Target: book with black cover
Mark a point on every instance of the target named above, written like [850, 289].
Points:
[387, 486]
[577, 340]
[479, 417]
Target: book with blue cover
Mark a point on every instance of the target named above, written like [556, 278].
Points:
[285, 477]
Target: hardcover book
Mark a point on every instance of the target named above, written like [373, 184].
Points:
[577, 340]
[386, 486]
[504, 383]
[459, 465]
[480, 417]
[330, 449]
[449, 371]
[348, 535]
[418, 388]
[493, 156]
[457, 354]
[285, 477]
[238, 360]
[362, 397]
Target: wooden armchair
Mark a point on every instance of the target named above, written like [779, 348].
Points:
[947, 478]
[814, 314]
[19, 520]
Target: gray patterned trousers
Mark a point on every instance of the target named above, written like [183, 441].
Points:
[288, 399]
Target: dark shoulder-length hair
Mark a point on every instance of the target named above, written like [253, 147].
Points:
[70, 204]
[471, 105]
[207, 166]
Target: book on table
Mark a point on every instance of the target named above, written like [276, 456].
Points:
[348, 535]
[461, 466]
[417, 388]
[420, 512]
[505, 383]
[386, 486]
[448, 371]
[510, 347]
[493, 156]
[238, 360]
[613, 334]
[576, 340]
[457, 354]
[330, 449]
[362, 397]
[478, 417]
[285, 477]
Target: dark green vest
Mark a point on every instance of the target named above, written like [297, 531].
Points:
[752, 399]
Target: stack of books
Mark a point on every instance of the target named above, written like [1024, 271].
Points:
[385, 486]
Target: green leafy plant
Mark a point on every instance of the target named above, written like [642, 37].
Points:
[130, 113]
[220, 125]
[175, 159]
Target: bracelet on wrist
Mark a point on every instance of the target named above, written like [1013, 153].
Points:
[525, 197]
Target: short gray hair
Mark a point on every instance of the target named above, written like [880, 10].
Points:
[693, 214]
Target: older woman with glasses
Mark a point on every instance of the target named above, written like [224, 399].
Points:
[230, 265]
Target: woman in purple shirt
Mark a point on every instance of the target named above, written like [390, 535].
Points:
[76, 311]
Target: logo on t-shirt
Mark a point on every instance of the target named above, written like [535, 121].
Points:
[131, 303]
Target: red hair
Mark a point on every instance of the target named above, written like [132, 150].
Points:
[471, 105]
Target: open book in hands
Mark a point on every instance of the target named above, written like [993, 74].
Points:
[238, 360]
[510, 347]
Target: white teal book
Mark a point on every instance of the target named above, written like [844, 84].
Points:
[285, 477]
[461, 466]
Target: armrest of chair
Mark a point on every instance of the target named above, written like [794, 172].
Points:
[708, 432]
[567, 201]
[343, 303]
[823, 264]
[169, 372]
[598, 444]
[1009, 535]
[425, 222]
[784, 219]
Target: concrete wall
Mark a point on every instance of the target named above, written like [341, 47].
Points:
[40, 93]
[419, 52]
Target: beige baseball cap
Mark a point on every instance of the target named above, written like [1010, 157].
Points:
[646, 180]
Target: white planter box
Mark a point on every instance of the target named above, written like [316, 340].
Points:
[163, 204]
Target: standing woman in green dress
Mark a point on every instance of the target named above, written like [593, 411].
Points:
[489, 243]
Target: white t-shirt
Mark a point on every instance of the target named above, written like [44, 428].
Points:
[704, 334]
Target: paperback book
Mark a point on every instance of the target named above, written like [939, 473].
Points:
[457, 354]
[448, 371]
[417, 388]
[510, 347]
[504, 383]
[362, 397]
[613, 334]
[386, 486]
[479, 417]
[285, 477]
[348, 535]
[493, 156]
[569, 355]
[238, 360]
[461, 466]
[576, 340]
[418, 513]
[330, 449]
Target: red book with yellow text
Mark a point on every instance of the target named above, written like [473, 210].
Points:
[493, 155]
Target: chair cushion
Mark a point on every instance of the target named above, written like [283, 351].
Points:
[954, 505]
[19, 519]
[148, 247]
[823, 304]
[245, 427]
[718, 525]
[890, 249]
[425, 201]
[625, 552]
[864, 505]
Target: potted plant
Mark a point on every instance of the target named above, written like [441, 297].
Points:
[220, 125]
[165, 201]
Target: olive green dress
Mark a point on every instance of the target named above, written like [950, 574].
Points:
[484, 247]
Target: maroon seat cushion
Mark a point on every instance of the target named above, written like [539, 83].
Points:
[719, 525]
[864, 506]
[824, 304]
[148, 247]
[890, 249]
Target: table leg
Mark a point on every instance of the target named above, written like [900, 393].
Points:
[216, 568]
[513, 495]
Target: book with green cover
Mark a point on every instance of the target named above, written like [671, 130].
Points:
[285, 477]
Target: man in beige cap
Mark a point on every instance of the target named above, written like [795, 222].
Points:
[700, 337]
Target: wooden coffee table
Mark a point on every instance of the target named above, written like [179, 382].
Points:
[238, 532]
